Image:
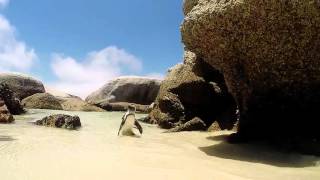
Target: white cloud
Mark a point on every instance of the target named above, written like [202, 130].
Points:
[14, 54]
[4, 3]
[83, 77]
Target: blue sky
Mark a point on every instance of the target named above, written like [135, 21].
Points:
[67, 44]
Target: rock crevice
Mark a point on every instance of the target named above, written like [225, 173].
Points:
[193, 90]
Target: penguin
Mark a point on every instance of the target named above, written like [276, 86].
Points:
[129, 122]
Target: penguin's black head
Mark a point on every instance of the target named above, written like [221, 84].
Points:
[131, 108]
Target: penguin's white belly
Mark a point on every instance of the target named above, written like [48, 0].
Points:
[128, 126]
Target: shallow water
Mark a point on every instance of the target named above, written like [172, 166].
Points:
[95, 152]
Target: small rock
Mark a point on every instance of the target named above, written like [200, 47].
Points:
[60, 121]
[5, 116]
[196, 124]
[214, 127]
[147, 120]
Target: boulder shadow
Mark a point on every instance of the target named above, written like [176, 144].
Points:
[258, 153]
[7, 138]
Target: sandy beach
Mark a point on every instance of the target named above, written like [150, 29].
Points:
[95, 152]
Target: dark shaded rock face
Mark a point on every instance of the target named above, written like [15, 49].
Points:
[5, 115]
[136, 90]
[22, 86]
[12, 103]
[122, 106]
[190, 90]
[269, 54]
[60, 121]
[48, 101]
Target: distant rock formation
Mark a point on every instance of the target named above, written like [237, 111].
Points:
[77, 104]
[138, 90]
[21, 85]
[123, 106]
[5, 115]
[268, 52]
[58, 93]
[48, 101]
[42, 101]
[60, 121]
[193, 89]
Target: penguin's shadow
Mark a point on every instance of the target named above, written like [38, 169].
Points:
[7, 138]
[131, 136]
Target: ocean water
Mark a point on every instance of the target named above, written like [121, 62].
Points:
[95, 152]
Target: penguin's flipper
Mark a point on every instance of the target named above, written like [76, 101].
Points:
[122, 123]
[136, 123]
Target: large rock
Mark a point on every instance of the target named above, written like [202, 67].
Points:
[137, 90]
[48, 101]
[5, 115]
[60, 121]
[12, 103]
[22, 85]
[193, 89]
[269, 54]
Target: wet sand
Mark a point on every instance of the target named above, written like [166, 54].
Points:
[95, 152]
